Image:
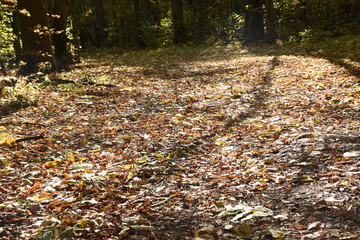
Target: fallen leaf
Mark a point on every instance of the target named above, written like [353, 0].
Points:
[276, 233]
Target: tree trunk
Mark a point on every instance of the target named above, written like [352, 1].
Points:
[16, 31]
[101, 34]
[200, 21]
[178, 21]
[270, 22]
[254, 22]
[74, 43]
[138, 32]
[60, 38]
[35, 37]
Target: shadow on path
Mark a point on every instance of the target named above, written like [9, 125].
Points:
[260, 93]
[344, 53]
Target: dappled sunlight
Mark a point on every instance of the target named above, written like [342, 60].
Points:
[148, 140]
[179, 119]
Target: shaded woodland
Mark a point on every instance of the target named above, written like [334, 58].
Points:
[53, 32]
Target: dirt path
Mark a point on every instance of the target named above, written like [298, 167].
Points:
[160, 155]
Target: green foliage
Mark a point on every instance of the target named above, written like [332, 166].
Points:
[6, 36]
[233, 29]
[315, 20]
[213, 21]
[340, 48]
[205, 22]
[157, 35]
[21, 101]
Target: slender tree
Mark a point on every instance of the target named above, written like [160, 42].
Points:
[60, 39]
[178, 21]
[138, 19]
[270, 21]
[199, 19]
[101, 25]
[35, 35]
[16, 32]
[254, 21]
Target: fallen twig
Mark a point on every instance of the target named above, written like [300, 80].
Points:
[29, 138]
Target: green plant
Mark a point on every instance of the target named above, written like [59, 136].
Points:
[6, 36]
[21, 102]
[156, 35]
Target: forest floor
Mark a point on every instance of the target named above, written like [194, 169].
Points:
[217, 143]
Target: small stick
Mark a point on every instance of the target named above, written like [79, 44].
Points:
[29, 138]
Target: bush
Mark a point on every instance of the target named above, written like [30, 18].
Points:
[156, 35]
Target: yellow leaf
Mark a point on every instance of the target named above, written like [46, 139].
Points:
[71, 157]
[130, 166]
[144, 159]
[81, 184]
[315, 134]
[220, 143]
[6, 139]
[313, 110]
[125, 137]
[9, 141]
[158, 155]
[278, 129]
[225, 153]
[276, 233]
[40, 199]
[82, 223]
[308, 179]
[305, 76]
[50, 164]
[344, 183]
[219, 204]
[130, 176]
[57, 160]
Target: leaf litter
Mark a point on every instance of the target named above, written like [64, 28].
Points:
[225, 145]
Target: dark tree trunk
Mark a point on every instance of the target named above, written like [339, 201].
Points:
[152, 12]
[200, 21]
[101, 34]
[35, 37]
[178, 21]
[138, 17]
[237, 6]
[74, 44]
[270, 22]
[60, 38]
[16, 31]
[254, 22]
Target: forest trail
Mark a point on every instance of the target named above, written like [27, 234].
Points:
[212, 146]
